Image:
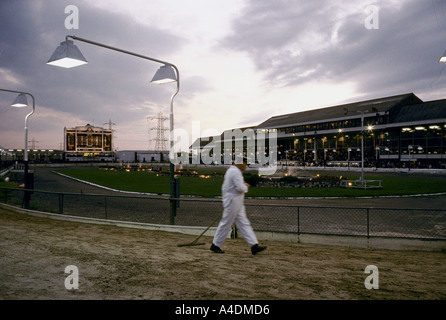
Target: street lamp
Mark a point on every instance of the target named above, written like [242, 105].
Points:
[378, 153]
[443, 57]
[362, 144]
[325, 156]
[315, 151]
[68, 55]
[348, 157]
[21, 102]
[286, 159]
[410, 147]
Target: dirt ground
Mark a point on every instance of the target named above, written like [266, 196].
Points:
[132, 264]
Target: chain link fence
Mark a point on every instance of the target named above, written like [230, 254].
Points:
[351, 221]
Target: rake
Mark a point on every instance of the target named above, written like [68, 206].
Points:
[195, 242]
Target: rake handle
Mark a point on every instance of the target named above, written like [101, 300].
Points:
[197, 238]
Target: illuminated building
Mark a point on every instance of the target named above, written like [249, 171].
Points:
[88, 143]
[398, 131]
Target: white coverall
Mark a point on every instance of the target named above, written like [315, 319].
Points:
[233, 194]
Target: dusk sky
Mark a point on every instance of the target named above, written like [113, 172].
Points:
[240, 62]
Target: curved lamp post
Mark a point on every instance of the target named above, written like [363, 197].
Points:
[21, 102]
[68, 55]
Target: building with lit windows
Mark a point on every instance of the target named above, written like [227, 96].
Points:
[398, 131]
[88, 143]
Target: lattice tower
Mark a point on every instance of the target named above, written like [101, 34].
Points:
[160, 140]
[110, 127]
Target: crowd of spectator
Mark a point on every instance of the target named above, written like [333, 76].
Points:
[333, 158]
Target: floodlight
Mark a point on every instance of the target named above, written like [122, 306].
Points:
[67, 55]
[164, 74]
[20, 101]
[443, 57]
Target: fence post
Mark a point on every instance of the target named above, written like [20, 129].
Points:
[60, 203]
[105, 205]
[298, 220]
[368, 223]
[6, 194]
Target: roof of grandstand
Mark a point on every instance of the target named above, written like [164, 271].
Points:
[421, 111]
[341, 111]
[403, 108]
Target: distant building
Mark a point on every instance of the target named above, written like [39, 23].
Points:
[34, 155]
[142, 156]
[88, 143]
[398, 131]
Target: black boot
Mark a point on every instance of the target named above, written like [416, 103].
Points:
[256, 248]
[216, 249]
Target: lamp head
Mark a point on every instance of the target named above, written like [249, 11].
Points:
[164, 74]
[443, 57]
[67, 55]
[20, 101]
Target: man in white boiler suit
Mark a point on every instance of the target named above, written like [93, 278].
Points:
[233, 194]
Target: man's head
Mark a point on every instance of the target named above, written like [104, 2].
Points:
[242, 166]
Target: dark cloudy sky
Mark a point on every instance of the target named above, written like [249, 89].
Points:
[240, 62]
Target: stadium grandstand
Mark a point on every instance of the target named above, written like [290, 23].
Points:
[397, 131]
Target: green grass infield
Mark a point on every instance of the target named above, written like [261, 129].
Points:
[206, 183]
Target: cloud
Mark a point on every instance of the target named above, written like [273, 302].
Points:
[110, 85]
[240, 61]
[9, 78]
[292, 44]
